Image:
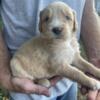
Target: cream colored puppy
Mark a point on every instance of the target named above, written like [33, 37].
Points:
[55, 51]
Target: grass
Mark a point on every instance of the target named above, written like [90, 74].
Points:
[2, 95]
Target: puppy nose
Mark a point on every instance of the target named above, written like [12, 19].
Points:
[57, 30]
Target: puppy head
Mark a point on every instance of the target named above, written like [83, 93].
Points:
[57, 21]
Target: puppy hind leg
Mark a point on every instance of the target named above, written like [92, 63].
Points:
[44, 82]
[78, 76]
[85, 66]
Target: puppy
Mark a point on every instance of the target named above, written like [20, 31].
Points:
[55, 51]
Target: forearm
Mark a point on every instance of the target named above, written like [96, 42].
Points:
[91, 32]
[4, 62]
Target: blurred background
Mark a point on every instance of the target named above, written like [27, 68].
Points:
[97, 5]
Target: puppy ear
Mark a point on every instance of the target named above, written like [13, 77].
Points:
[40, 21]
[42, 15]
[75, 24]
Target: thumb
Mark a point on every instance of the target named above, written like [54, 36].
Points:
[40, 90]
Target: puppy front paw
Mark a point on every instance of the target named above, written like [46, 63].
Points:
[96, 85]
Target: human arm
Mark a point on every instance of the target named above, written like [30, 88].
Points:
[4, 65]
[90, 31]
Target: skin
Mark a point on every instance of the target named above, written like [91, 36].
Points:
[16, 84]
[91, 37]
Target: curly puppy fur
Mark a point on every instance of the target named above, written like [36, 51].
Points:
[55, 51]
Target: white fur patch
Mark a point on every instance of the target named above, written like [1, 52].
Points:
[55, 22]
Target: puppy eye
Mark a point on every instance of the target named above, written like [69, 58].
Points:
[46, 19]
[68, 18]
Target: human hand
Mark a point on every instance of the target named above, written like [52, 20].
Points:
[92, 95]
[24, 85]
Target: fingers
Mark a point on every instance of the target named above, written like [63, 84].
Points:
[92, 95]
[27, 86]
[54, 80]
[40, 90]
[98, 96]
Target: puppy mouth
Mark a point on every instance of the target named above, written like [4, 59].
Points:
[59, 35]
